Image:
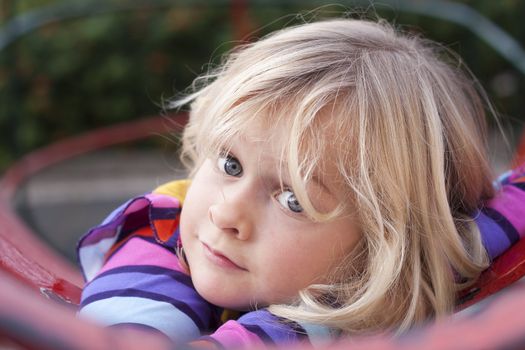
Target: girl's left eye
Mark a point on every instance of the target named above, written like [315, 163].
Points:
[230, 165]
[287, 199]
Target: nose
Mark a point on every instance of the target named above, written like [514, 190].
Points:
[232, 216]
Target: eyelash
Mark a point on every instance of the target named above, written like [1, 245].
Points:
[286, 203]
[222, 162]
[290, 205]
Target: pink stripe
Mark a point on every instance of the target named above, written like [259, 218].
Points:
[163, 201]
[233, 335]
[156, 200]
[511, 204]
[136, 205]
[139, 252]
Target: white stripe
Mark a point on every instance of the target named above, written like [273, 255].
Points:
[156, 314]
[91, 257]
[318, 335]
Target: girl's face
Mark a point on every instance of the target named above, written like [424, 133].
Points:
[246, 238]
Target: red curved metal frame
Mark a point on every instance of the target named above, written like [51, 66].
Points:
[22, 253]
[519, 156]
[27, 264]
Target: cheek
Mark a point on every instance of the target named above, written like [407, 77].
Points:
[308, 261]
[186, 224]
[193, 208]
[291, 267]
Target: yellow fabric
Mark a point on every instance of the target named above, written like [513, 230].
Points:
[229, 315]
[176, 188]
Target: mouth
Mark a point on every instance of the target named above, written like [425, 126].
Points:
[219, 259]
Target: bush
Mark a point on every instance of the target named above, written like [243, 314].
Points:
[75, 75]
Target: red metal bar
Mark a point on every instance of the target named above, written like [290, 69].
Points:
[519, 155]
[30, 322]
[504, 271]
[58, 152]
[22, 253]
[26, 257]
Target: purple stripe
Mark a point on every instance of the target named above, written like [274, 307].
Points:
[511, 204]
[99, 233]
[261, 333]
[520, 185]
[183, 307]
[297, 328]
[268, 327]
[173, 275]
[109, 226]
[163, 213]
[493, 236]
[172, 241]
[159, 284]
[143, 210]
[505, 224]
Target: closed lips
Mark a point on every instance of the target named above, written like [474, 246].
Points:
[220, 259]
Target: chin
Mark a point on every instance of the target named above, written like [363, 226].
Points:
[228, 298]
[224, 301]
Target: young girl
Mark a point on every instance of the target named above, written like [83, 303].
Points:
[337, 171]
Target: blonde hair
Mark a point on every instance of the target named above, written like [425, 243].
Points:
[410, 151]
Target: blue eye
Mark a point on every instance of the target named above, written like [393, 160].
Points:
[287, 199]
[230, 165]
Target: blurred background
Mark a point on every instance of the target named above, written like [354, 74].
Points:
[71, 67]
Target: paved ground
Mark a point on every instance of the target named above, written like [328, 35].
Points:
[63, 202]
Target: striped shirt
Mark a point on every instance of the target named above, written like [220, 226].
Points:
[135, 278]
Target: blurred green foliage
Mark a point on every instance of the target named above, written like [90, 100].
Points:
[74, 75]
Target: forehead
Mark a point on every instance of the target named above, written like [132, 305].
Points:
[263, 142]
[305, 138]
[283, 121]
[278, 139]
[288, 131]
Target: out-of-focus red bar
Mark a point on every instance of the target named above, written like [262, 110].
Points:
[29, 321]
[32, 322]
[504, 271]
[91, 141]
[519, 155]
[500, 324]
[19, 245]
[29, 272]
[24, 255]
